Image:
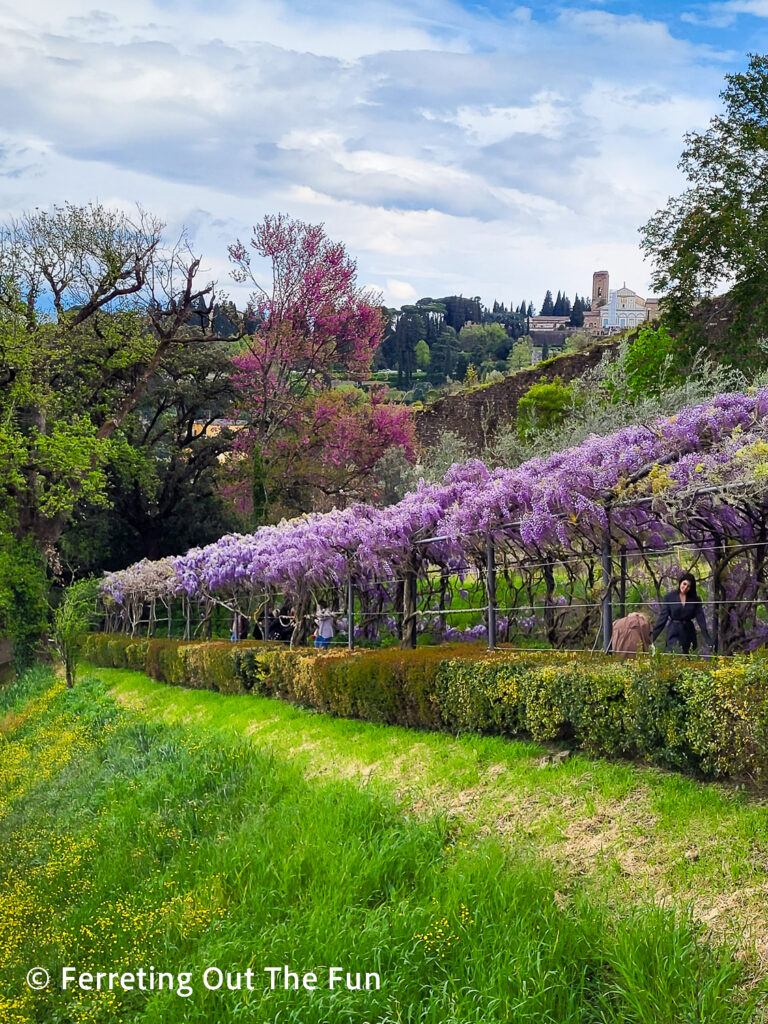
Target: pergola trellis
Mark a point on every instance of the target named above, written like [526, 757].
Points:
[698, 478]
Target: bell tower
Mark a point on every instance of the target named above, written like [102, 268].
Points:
[599, 288]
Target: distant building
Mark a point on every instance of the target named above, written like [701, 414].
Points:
[550, 323]
[600, 281]
[214, 427]
[618, 309]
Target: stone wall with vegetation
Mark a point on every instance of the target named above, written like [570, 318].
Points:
[476, 415]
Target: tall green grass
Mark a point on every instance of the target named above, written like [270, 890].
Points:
[125, 843]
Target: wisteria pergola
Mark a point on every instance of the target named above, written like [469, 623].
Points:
[567, 527]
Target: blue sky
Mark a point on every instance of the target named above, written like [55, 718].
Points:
[494, 149]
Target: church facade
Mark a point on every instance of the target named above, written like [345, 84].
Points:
[614, 310]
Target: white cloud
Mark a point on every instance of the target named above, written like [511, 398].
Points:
[451, 150]
[723, 15]
[546, 115]
[398, 293]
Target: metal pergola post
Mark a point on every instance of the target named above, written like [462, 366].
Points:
[491, 593]
[607, 563]
[350, 614]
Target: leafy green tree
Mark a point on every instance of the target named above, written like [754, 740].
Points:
[433, 313]
[547, 306]
[649, 363]
[23, 595]
[443, 355]
[386, 353]
[481, 340]
[460, 310]
[521, 354]
[421, 351]
[163, 482]
[411, 328]
[717, 230]
[74, 618]
[92, 303]
[577, 313]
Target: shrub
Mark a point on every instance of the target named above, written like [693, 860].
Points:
[543, 406]
[727, 722]
[251, 671]
[711, 716]
[649, 362]
[72, 619]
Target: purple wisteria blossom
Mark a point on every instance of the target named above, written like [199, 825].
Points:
[700, 477]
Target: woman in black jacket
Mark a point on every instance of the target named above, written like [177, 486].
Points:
[681, 607]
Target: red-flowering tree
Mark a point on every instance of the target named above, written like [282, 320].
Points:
[312, 326]
[329, 458]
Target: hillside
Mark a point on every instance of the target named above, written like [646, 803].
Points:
[184, 832]
[476, 415]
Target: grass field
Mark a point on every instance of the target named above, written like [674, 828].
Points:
[145, 826]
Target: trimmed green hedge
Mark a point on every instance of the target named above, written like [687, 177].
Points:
[706, 715]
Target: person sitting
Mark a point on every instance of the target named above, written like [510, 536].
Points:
[287, 622]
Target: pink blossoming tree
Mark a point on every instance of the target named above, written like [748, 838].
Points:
[308, 443]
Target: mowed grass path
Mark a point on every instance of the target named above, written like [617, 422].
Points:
[633, 832]
[150, 826]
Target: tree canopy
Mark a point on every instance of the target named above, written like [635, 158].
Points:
[92, 303]
[715, 233]
[307, 440]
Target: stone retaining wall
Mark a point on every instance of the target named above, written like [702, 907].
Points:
[477, 415]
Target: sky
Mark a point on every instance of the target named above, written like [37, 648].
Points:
[483, 149]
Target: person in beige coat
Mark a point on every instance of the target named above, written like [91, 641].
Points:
[631, 635]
